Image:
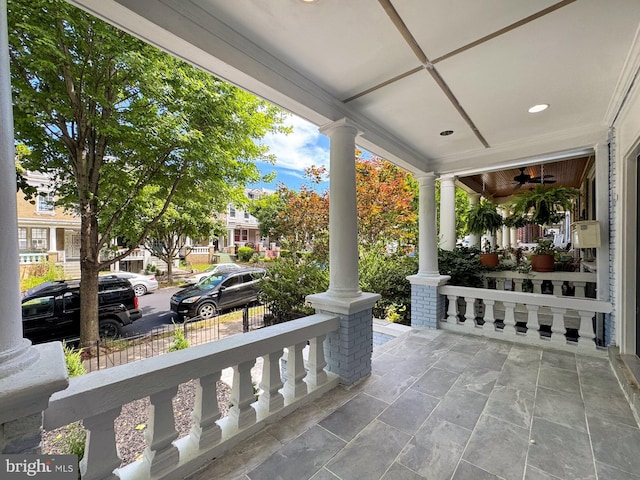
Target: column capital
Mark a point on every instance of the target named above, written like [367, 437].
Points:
[425, 177]
[448, 178]
[344, 123]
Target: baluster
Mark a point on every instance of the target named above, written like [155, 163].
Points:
[558, 329]
[509, 317]
[557, 287]
[518, 284]
[485, 282]
[295, 386]
[270, 398]
[205, 432]
[587, 337]
[100, 453]
[161, 453]
[532, 320]
[242, 396]
[452, 311]
[489, 316]
[537, 285]
[499, 283]
[470, 312]
[316, 375]
[580, 289]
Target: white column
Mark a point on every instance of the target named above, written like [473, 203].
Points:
[427, 232]
[343, 215]
[230, 237]
[474, 238]
[448, 212]
[14, 350]
[53, 241]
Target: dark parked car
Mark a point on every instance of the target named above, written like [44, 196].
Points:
[218, 292]
[51, 311]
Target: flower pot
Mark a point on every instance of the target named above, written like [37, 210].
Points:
[542, 263]
[489, 259]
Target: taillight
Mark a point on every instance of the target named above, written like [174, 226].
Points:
[135, 302]
[152, 278]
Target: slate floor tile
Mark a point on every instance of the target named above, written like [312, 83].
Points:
[347, 421]
[561, 451]
[564, 360]
[409, 411]
[400, 472]
[300, 458]
[462, 407]
[615, 444]
[512, 405]
[390, 386]
[612, 473]
[467, 471]
[561, 407]
[608, 404]
[436, 382]
[559, 379]
[477, 379]
[370, 454]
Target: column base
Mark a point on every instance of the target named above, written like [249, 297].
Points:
[348, 350]
[427, 305]
[25, 394]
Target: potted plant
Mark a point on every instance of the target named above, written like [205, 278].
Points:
[542, 205]
[484, 217]
[543, 258]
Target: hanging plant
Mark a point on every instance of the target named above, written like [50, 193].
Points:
[541, 205]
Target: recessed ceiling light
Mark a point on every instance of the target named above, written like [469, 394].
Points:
[538, 108]
[308, 1]
[446, 133]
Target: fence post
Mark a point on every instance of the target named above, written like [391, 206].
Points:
[245, 319]
[98, 352]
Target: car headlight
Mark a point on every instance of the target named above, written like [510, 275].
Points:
[191, 299]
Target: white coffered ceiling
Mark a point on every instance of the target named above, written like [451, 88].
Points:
[406, 70]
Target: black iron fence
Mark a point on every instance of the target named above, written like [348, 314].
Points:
[196, 331]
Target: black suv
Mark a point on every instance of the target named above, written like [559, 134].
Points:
[51, 311]
[218, 292]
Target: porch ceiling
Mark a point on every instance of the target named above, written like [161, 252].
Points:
[406, 70]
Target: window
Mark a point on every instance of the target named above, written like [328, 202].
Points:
[246, 214]
[39, 237]
[241, 235]
[45, 202]
[232, 211]
[22, 238]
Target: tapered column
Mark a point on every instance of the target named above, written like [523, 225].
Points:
[448, 212]
[343, 215]
[53, 239]
[474, 238]
[14, 350]
[427, 233]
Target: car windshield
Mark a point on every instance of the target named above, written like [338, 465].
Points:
[210, 282]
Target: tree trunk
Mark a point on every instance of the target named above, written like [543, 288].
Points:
[89, 270]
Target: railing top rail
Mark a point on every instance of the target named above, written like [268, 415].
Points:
[568, 276]
[582, 304]
[104, 390]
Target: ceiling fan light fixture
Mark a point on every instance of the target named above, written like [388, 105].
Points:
[446, 133]
[539, 108]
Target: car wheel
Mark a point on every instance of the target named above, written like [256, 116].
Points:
[207, 310]
[109, 328]
[139, 290]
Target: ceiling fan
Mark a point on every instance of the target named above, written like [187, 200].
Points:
[523, 178]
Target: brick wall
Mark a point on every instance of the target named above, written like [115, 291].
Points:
[427, 306]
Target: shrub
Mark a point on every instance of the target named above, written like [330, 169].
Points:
[386, 274]
[287, 284]
[462, 265]
[179, 340]
[72, 440]
[73, 358]
[43, 272]
[245, 253]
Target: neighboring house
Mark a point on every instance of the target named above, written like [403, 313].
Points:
[47, 232]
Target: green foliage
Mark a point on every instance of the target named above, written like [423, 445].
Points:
[245, 253]
[43, 272]
[483, 217]
[462, 265]
[72, 440]
[544, 247]
[386, 274]
[73, 358]
[542, 205]
[179, 341]
[395, 313]
[288, 282]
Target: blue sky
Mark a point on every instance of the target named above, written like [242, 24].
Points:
[302, 148]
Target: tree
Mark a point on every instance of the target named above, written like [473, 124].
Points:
[107, 115]
[186, 217]
[386, 202]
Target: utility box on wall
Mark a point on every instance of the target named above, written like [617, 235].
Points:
[586, 234]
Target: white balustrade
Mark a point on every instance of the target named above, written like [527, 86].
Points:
[32, 258]
[97, 398]
[578, 279]
[526, 317]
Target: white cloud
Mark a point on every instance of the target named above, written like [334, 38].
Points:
[299, 149]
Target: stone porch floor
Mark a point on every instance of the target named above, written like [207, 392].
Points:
[444, 406]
